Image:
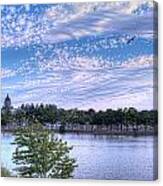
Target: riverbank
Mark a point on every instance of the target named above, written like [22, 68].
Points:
[109, 133]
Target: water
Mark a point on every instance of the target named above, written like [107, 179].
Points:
[102, 157]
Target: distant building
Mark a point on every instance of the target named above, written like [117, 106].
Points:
[7, 103]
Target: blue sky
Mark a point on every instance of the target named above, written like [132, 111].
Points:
[79, 55]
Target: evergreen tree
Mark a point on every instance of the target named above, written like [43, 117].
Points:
[39, 154]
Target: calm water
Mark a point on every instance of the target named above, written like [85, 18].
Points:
[102, 157]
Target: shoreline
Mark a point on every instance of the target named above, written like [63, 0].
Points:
[106, 133]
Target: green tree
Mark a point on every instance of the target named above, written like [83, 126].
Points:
[132, 117]
[5, 172]
[119, 117]
[110, 118]
[20, 116]
[39, 154]
[6, 117]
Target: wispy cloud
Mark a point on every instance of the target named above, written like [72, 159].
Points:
[61, 22]
[6, 73]
[80, 55]
[82, 88]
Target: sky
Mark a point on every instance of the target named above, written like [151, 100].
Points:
[79, 55]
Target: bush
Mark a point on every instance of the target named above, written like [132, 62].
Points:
[5, 172]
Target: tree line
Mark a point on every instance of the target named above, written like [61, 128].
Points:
[128, 117]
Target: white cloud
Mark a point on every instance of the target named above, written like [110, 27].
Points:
[129, 84]
[63, 73]
[6, 73]
[139, 100]
[74, 20]
[108, 18]
[140, 61]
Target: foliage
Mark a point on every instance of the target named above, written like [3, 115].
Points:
[51, 114]
[6, 117]
[5, 172]
[39, 154]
